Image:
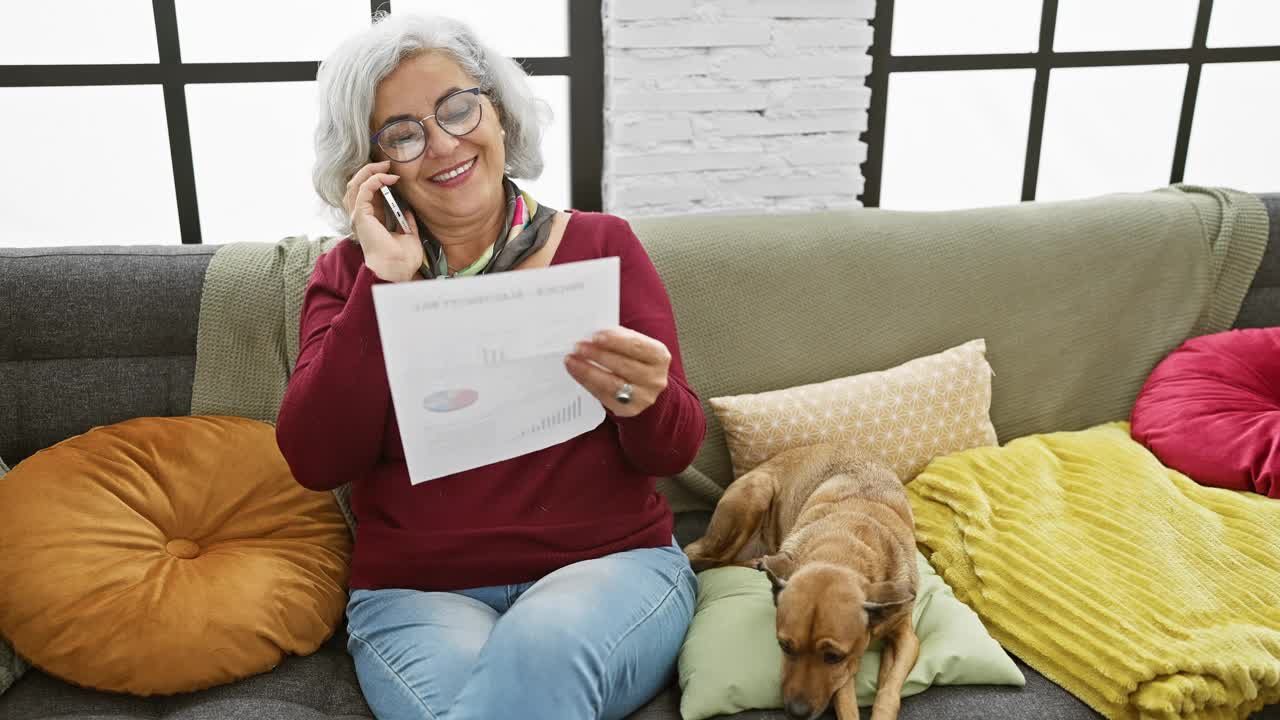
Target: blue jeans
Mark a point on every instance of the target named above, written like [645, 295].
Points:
[596, 639]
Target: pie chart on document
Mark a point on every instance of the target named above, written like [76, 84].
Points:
[445, 401]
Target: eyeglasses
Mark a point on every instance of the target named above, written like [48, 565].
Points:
[457, 113]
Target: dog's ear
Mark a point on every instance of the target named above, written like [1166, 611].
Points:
[778, 568]
[885, 599]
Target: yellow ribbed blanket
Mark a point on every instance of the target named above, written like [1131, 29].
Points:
[1139, 591]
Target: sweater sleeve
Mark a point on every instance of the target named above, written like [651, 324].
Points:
[664, 438]
[333, 415]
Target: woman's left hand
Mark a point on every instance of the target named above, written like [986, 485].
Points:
[621, 355]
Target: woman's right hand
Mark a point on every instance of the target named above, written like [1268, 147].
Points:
[392, 256]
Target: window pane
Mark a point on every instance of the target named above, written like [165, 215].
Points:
[1109, 129]
[109, 147]
[530, 28]
[948, 27]
[1233, 135]
[265, 30]
[1244, 23]
[553, 187]
[955, 139]
[1085, 25]
[253, 176]
[77, 32]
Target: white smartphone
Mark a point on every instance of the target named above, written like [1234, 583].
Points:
[395, 210]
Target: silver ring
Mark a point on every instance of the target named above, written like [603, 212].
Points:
[624, 393]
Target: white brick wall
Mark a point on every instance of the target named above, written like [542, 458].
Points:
[734, 105]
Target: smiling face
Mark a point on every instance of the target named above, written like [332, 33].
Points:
[431, 183]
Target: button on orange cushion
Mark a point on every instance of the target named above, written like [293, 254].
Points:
[163, 555]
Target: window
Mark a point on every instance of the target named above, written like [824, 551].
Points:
[529, 28]
[86, 166]
[1244, 23]
[972, 158]
[165, 113]
[1089, 25]
[1127, 146]
[69, 32]
[254, 183]
[279, 30]
[998, 101]
[1233, 139]
[946, 27]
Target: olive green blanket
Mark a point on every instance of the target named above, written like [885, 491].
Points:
[247, 339]
[1077, 300]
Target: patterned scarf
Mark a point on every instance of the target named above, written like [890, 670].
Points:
[527, 227]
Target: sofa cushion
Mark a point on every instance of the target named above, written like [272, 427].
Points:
[1040, 699]
[161, 555]
[906, 415]
[1211, 410]
[101, 334]
[731, 661]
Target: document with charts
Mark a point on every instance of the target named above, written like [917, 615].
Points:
[476, 364]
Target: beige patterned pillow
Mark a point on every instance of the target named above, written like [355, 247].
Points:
[908, 415]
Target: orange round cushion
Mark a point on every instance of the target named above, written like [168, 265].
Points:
[163, 555]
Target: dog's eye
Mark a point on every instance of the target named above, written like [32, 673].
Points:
[832, 658]
[786, 647]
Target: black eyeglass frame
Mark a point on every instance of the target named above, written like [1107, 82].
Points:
[421, 123]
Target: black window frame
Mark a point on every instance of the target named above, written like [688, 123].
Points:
[1045, 59]
[584, 66]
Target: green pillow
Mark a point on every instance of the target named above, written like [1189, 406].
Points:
[731, 662]
[11, 664]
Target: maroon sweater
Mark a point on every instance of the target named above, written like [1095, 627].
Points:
[510, 522]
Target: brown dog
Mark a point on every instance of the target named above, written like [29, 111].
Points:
[835, 534]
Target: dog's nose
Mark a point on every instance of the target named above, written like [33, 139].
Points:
[798, 709]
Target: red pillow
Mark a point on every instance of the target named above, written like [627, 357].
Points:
[1211, 410]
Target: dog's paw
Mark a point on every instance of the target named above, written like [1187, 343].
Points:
[699, 560]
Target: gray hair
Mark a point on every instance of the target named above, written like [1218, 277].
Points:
[348, 78]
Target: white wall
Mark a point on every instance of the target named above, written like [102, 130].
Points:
[726, 105]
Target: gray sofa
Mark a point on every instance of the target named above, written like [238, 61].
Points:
[95, 335]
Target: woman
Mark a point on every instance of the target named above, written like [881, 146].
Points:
[546, 586]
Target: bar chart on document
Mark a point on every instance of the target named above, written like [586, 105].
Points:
[488, 382]
[560, 417]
